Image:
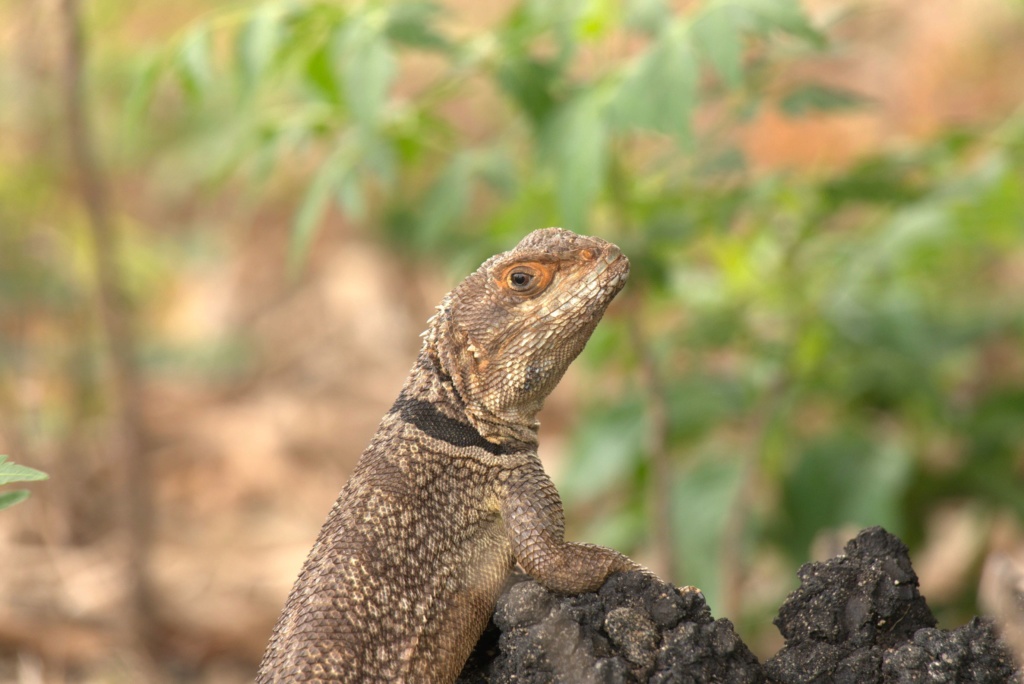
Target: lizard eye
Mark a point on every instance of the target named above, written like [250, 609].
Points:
[527, 279]
[520, 280]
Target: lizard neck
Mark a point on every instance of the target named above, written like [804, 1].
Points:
[431, 382]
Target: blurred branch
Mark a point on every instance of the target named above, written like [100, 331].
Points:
[657, 410]
[115, 319]
[734, 564]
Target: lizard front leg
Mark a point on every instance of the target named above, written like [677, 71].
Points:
[532, 513]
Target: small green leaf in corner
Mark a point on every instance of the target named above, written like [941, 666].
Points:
[12, 472]
[11, 498]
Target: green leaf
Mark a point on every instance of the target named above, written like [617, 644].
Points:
[445, 202]
[577, 140]
[702, 498]
[257, 43]
[812, 98]
[411, 24]
[10, 498]
[531, 83]
[12, 472]
[659, 90]
[193, 61]
[556, 20]
[697, 404]
[598, 19]
[717, 33]
[647, 16]
[606, 451]
[878, 180]
[351, 198]
[148, 72]
[368, 68]
[497, 168]
[320, 76]
[375, 154]
[327, 179]
[787, 16]
[845, 479]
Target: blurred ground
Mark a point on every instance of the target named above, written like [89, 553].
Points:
[250, 453]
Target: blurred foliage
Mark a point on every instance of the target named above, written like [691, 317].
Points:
[12, 472]
[567, 137]
[829, 349]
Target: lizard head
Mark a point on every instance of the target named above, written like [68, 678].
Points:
[508, 332]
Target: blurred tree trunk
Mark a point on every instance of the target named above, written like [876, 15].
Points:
[114, 312]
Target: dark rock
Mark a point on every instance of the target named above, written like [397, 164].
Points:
[633, 633]
[635, 629]
[856, 619]
[971, 654]
[860, 618]
[869, 596]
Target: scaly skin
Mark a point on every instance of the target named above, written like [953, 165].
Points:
[450, 494]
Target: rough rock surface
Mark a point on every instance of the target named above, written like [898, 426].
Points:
[634, 629]
[857, 618]
[860, 618]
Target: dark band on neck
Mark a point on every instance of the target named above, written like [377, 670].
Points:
[433, 423]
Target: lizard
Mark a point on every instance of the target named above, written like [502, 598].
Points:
[450, 493]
